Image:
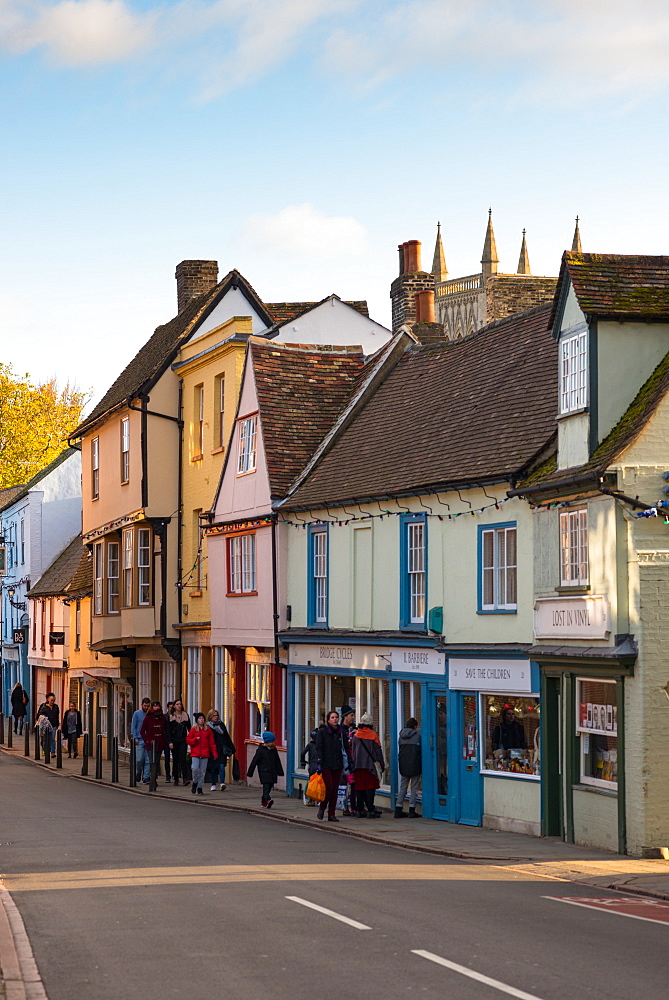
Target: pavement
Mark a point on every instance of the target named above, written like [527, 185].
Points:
[545, 856]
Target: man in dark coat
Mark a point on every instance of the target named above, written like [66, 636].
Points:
[50, 710]
[509, 734]
[410, 766]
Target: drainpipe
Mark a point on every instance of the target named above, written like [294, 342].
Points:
[275, 596]
[180, 502]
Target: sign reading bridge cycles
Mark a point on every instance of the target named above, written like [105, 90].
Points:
[402, 660]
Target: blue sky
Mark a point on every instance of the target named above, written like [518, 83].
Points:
[300, 141]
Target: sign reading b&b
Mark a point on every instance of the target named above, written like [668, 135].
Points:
[19, 635]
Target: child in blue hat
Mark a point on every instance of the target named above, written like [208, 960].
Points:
[266, 759]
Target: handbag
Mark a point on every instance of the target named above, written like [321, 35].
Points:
[341, 797]
[316, 788]
[235, 770]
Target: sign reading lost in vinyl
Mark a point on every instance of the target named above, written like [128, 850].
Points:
[571, 618]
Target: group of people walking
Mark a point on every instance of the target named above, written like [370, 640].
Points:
[193, 752]
[347, 755]
[350, 756]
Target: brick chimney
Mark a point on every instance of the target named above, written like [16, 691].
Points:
[193, 278]
[410, 281]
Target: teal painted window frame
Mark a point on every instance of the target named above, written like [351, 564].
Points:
[405, 589]
[480, 610]
[312, 595]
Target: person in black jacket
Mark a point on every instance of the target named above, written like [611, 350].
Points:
[266, 759]
[410, 767]
[50, 710]
[309, 759]
[177, 730]
[19, 699]
[509, 734]
[72, 729]
[332, 760]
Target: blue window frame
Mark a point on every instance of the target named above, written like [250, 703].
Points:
[413, 571]
[497, 569]
[317, 576]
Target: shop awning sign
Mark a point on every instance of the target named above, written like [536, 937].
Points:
[584, 617]
[505, 676]
[403, 660]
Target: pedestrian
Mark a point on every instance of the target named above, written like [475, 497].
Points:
[410, 767]
[72, 729]
[202, 747]
[19, 699]
[332, 760]
[142, 763]
[167, 751]
[309, 759]
[224, 747]
[49, 710]
[266, 759]
[154, 734]
[349, 727]
[178, 729]
[368, 767]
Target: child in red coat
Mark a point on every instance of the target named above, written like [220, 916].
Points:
[202, 746]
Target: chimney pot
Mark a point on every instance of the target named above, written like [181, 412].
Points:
[193, 278]
[425, 306]
[412, 255]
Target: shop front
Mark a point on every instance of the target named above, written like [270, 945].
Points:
[583, 681]
[493, 741]
[392, 682]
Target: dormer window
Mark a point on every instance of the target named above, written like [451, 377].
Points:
[248, 427]
[573, 371]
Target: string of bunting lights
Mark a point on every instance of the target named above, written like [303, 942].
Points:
[343, 521]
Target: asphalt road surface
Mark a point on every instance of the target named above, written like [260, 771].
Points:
[124, 896]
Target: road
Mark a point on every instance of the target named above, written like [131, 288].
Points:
[127, 896]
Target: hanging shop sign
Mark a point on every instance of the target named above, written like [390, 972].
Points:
[56, 638]
[19, 635]
[405, 660]
[585, 617]
[90, 684]
[505, 676]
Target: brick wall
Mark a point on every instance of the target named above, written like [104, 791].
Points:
[507, 294]
[403, 295]
[193, 278]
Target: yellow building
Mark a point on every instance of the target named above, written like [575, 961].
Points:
[210, 370]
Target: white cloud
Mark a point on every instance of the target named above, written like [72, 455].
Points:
[303, 231]
[533, 49]
[78, 32]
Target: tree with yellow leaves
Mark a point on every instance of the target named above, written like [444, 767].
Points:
[35, 421]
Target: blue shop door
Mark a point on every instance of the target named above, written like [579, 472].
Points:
[470, 798]
[435, 775]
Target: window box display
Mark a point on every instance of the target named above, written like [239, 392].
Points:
[597, 732]
[511, 735]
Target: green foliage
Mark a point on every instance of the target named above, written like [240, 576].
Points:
[35, 421]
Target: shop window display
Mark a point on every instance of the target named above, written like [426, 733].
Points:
[511, 736]
[597, 731]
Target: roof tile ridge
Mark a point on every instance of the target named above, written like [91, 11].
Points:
[390, 356]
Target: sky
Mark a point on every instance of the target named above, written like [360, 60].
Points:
[301, 141]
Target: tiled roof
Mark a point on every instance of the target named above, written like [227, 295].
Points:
[300, 392]
[70, 573]
[625, 432]
[160, 349]
[21, 491]
[9, 494]
[618, 286]
[281, 312]
[455, 413]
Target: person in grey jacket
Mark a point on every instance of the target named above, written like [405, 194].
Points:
[409, 759]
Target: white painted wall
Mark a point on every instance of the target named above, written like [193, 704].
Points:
[233, 303]
[334, 323]
[627, 354]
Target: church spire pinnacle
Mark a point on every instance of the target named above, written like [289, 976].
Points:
[489, 260]
[524, 259]
[576, 242]
[439, 270]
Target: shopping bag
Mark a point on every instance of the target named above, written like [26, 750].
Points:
[235, 770]
[341, 797]
[316, 788]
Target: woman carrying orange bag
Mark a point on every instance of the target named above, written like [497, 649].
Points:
[331, 762]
